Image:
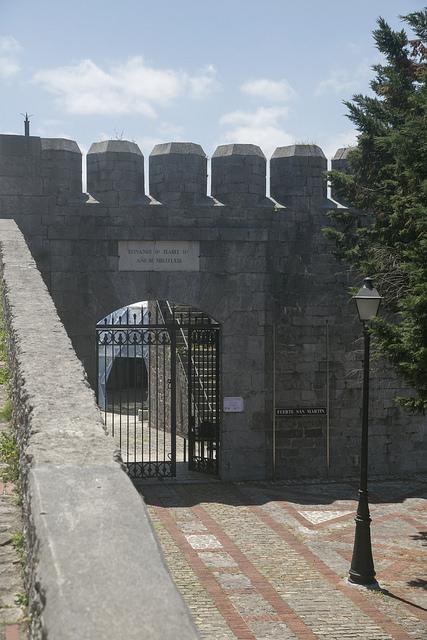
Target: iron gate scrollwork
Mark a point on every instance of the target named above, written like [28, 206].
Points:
[158, 387]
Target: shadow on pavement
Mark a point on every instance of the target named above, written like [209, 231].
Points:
[421, 535]
[193, 492]
[418, 583]
[389, 594]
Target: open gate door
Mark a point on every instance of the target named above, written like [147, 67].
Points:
[136, 358]
[158, 387]
[203, 398]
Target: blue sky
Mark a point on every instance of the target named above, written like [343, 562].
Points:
[269, 72]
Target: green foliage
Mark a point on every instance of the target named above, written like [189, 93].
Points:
[21, 599]
[6, 411]
[18, 543]
[9, 454]
[4, 372]
[389, 184]
[9, 457]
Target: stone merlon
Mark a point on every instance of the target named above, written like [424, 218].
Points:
[239, 171]
[178, 173]
[298, 176]
[115, 172]
[61, 167]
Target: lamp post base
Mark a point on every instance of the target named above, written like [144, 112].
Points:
[362, 564]
[365, 581]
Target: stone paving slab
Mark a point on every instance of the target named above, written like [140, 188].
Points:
[12, 615]
[267, 561]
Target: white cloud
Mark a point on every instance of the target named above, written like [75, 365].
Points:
[170, 131]
[131, 87]
[204, 83]
[270, 90]
[262, 127]
[9, 52]
[8, 45]
[261, 116]
[345, 81]
[331, 145]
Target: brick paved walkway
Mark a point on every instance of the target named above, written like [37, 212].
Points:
[269, 561]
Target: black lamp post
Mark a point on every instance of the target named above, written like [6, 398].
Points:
[362, 569]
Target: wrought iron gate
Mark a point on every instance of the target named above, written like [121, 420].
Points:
[203, 396]
[158, 388]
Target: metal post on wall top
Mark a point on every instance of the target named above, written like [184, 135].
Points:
[26, 124]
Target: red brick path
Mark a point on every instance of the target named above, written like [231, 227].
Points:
[269, 561]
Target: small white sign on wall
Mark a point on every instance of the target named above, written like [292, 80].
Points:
[233, 404]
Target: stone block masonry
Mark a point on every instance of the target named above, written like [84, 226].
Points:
[94, 570]
[263, 270]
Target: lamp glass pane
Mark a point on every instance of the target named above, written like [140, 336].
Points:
[367, 307]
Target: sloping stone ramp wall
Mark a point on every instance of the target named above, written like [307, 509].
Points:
[94, 567]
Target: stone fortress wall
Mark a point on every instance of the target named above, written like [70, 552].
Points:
[264, 270]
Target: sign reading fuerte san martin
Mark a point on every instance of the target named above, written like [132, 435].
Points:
[300, 411]
[159, 255]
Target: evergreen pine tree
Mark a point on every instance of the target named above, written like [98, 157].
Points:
[388, 241]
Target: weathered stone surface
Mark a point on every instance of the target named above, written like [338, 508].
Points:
[115, 146]
[297, 176]
[100, 571]
[299, 150]
[115, 173]
[178, 173]
[94, 567]
[11, 583]
[19, 146]
[342, 153]
[59, 144]
[239, 174]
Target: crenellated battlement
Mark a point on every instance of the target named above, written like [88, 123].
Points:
[61, 166]
[298, 176]
[178, 173]
[115, 172]
[239, 174]
[340, 162]
[261, 266]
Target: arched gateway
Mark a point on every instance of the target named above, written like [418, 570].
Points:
[158, 384]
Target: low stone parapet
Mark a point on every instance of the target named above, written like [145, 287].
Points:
[94, 569]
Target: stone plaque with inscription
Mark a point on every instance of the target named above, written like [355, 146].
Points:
[159, 255]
